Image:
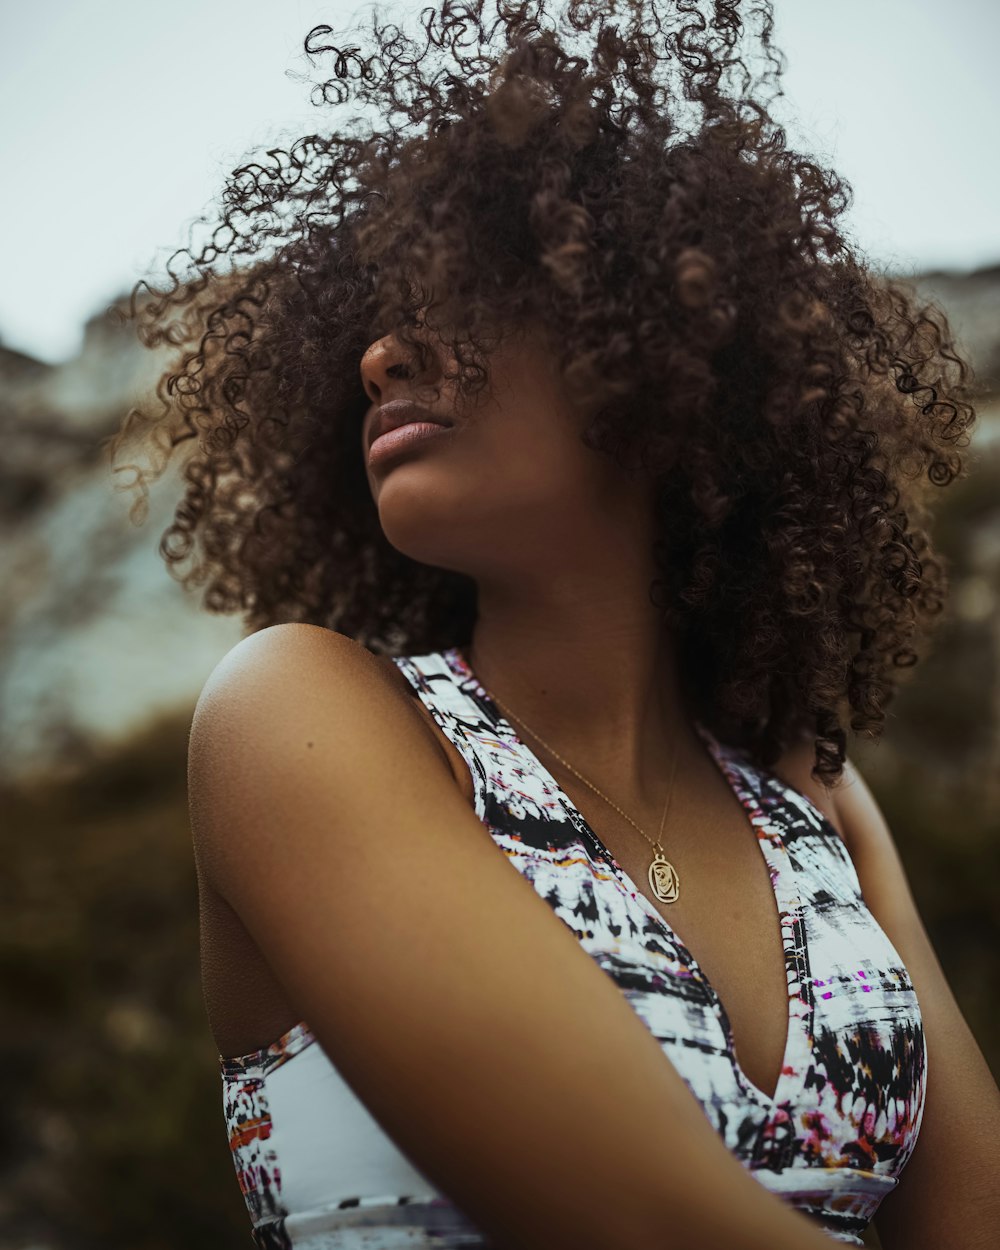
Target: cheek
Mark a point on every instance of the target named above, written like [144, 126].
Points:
[529, 458]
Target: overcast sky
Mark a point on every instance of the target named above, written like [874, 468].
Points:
[120, 120]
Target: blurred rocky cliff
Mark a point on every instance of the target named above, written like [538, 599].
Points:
[97, 639]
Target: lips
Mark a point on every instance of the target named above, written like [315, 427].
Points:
[399, 412]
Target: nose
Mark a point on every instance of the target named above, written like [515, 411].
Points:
[388, 362]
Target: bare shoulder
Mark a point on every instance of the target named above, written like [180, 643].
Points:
[795, 768]
[282, 703]
[872, 847]
[882, 876]
[287, 664]
[852, 810]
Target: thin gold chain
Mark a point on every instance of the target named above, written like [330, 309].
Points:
[655, 845]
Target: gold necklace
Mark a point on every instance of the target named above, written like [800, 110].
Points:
[663, 878]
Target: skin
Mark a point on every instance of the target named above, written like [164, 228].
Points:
[497, 1056]
[290, 732]
[558, 541]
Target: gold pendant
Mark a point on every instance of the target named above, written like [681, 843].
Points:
[663, 879]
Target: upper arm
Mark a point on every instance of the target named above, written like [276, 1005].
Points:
[948, 1192]
[494, 1051]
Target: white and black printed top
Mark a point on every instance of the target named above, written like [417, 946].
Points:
[316, 1169]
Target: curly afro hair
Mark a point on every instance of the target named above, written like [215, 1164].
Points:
[609, 170]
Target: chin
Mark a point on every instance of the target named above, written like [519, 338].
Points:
[417, 519]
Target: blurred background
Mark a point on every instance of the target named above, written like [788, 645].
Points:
[118, 124]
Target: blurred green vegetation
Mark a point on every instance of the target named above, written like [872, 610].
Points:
[114, 1133]
[114, 1130]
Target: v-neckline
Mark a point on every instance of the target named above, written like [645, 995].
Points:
[780, 869]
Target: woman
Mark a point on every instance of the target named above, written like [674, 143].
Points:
[569, 471]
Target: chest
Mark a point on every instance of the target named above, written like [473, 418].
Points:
[726, 915]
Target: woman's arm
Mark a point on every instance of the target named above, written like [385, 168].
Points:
[948, 1196]
[499, 1057]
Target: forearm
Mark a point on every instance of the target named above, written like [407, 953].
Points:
[753, 1219]
[698, 1209]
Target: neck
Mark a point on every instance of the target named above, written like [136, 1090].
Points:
[587, 665]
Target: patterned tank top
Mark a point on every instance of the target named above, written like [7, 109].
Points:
[316, 1169]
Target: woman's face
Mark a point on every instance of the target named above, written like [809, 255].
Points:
[509, 486]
